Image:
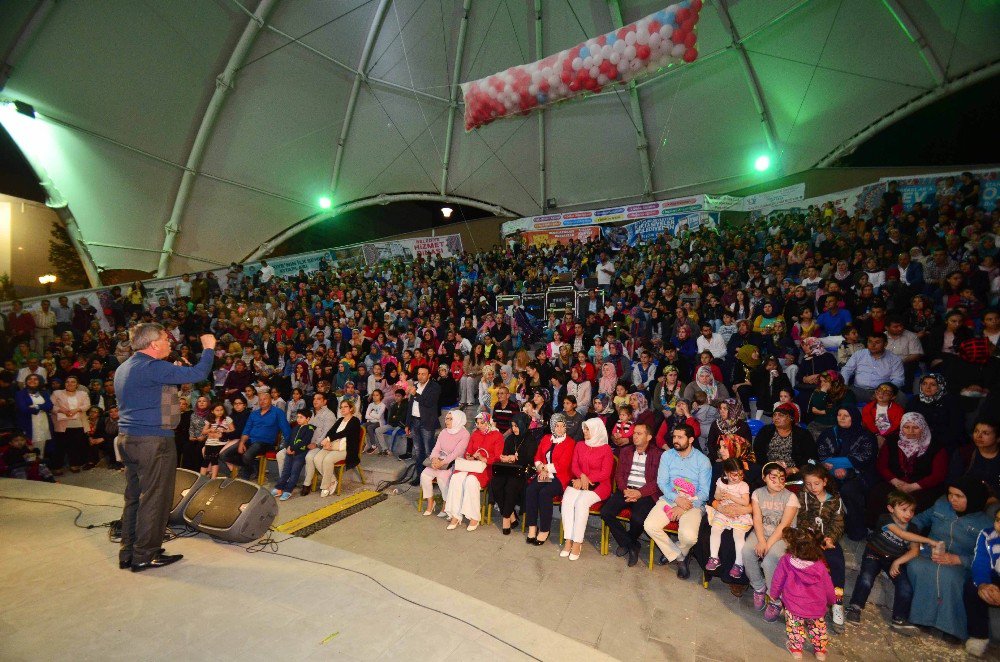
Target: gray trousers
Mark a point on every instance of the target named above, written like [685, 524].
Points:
[760, 571]
[150, 464]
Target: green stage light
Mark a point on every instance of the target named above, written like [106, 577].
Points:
[762, 163]
[325, 202]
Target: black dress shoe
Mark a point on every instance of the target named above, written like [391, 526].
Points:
[539, 543]
[157, 562]
[125, 564]
[530, 540]
[306, 489]
[505, 531]
[406, 456]
[661, 559]
[621, 551]
[633, 555]
[682, 568]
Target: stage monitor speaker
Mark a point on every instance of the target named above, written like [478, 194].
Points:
[186, 484]
[234, 510]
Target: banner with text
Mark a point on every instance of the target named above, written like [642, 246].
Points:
[685, 219]
[562, 235]
[408, 249]
[925, 188]
[773, 198]
[599, 216]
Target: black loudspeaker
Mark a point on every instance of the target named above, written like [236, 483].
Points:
[186, 484]
[232, 509]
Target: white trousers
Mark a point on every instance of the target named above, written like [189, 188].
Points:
[463, 497]
[427, 477]
[575, 510]
[323, 463]
[310, 471]
[468, 388]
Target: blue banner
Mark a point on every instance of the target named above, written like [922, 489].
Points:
[649, 229]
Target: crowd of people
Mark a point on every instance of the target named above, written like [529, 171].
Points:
[761, 392]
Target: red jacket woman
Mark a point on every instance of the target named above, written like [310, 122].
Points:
[489, 445]
[559, 455]
[597, 463]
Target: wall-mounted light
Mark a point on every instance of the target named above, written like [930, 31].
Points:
[446, 211]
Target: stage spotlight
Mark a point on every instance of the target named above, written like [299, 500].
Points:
[762, 163]
[446, 212]
[25, 109]
[325, 202]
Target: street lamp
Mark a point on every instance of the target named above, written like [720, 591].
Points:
[47, 281]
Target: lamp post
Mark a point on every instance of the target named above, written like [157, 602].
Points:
[47, 281]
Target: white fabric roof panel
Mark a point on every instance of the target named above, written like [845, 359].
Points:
[138, 76]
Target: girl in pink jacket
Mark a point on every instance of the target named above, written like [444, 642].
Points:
[802, 583]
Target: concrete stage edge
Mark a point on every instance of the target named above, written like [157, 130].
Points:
[63, 597]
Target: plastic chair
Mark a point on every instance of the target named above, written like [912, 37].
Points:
[755, 426]
[338, 468]
[262, 461]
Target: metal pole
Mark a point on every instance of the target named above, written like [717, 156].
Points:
[641, 145]
[456, 76]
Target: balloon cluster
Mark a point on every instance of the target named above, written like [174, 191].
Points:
[658, 40]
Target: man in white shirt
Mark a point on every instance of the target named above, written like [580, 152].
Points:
[605, 271]
[708, 340]
[906, 345]
[182, 290]
[31, 369]
[266, 272]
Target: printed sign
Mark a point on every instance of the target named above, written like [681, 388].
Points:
[408, 249]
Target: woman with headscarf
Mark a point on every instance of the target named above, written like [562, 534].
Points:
[848, 452]
[191, 455]
[784, 441]
[939, 575]
[668, 390]
[940, 409]
[485, 445]
[440, 464]
[580, 388]
[511, 471]
[553, 463]
[608, 381]
[539, 411]
[641, 413]
[912, 461]
[882, 415]
[617, 358]
[591, 468]
[747, 359]
[487, 388]
[730, 437]
[705, 382]
[767, 381]
[815, 360]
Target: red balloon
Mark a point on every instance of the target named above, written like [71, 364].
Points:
[696, 5]
[602, 40]
[690, 55]
[654, 26]
[687, 25]
[574, 86]
[566, 77]
[682, 14]
[678, 36]
[613, 73]
[543, 85]
[621, 33]
[689, 39]
[693, 18]
[642, 51]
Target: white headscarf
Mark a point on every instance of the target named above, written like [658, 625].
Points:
[598, 433]
[457, 421]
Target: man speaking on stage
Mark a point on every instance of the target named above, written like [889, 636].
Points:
[149, 410]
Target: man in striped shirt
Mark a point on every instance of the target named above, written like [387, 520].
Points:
[638, 464]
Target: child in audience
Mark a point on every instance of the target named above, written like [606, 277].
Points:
[21, 460]
[802, 583]
[893, 544]
[621, 434]
[621, 396]
[374, 419]
[295, 456]
[705, 413]
[217, 428]
[730, 490]
[823, 512]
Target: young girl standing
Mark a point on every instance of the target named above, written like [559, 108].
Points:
[802, 583]
[730, 490]
[217, 427]
[823, 512]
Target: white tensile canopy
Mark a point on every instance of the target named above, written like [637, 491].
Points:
[189, 132]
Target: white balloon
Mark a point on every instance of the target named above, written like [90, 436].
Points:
[577, 62]
[614, 58]
[553, 82]
[654, 40]
[630, 38]
[492, 92]
[606, 51]
[642, 38]
[594, 72]
[546, 72]
[622, 66]
[588, 62]
[630, 52]
[667, 31]
[563, 90]
[598, 59]
[636, 65]
[678, 50]
[533, 89]
[619, 46]
[667, 46]
[603, 80]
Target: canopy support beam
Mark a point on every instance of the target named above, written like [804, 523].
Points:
[915, 35]
[641, 144]
[542, 188]
[373, 31]
[753, 81]
[456, 76]
[223, 84]
[20, 44]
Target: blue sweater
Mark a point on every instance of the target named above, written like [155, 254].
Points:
[148, 405]
[695, 468]
[986, 561]
[264, 428]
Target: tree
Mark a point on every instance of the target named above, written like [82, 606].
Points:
[7, 291]
[65, 260]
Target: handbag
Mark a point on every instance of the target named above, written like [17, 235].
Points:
[470, 466]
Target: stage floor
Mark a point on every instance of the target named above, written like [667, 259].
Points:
[62, 596]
